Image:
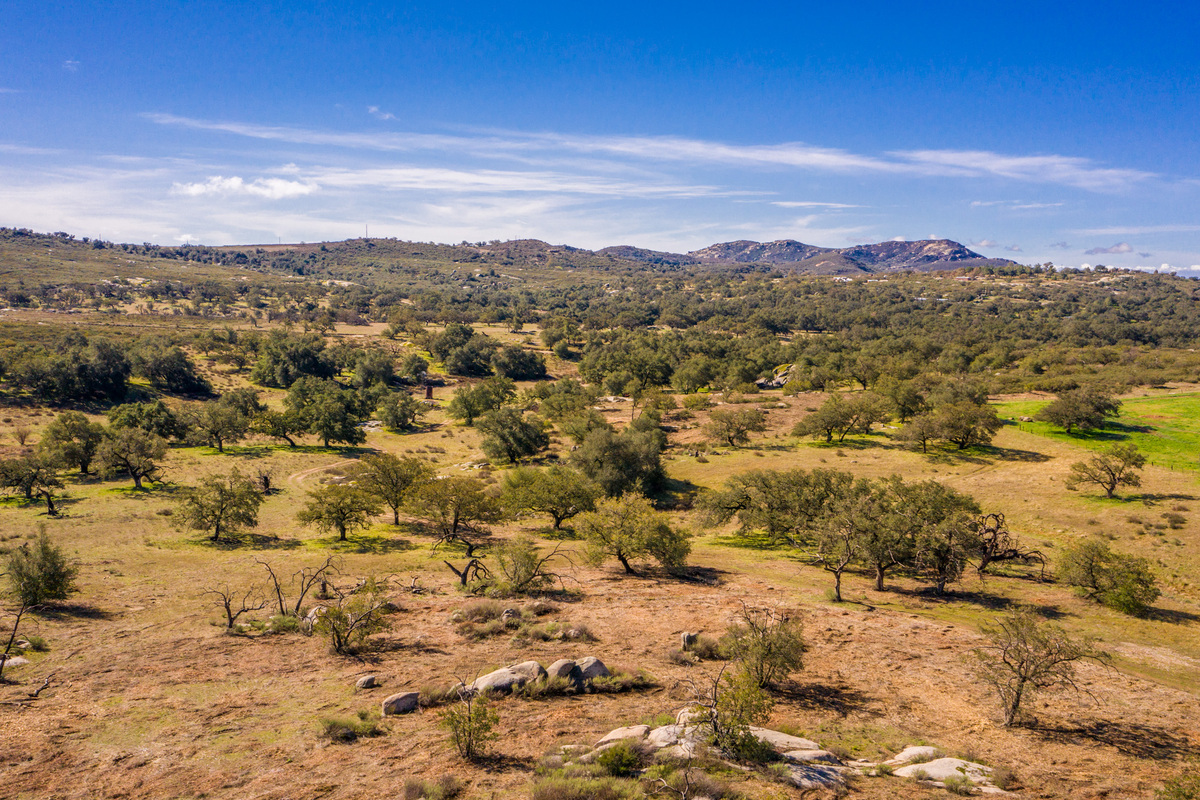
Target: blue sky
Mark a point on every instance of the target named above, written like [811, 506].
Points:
[1042, 132]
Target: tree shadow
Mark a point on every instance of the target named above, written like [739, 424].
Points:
[1129, 738]
[1153, 498]
[255, 541]
[245, 451]
[1173, 616]
[823, 696]
[1013, 454]
[61, 611]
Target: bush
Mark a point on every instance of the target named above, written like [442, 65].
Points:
[349, 729]
[621, 760]
[41, 572]
[471, 722]
[444, 788]
[1123, 583]
[959, 784]
[706, 648]
[480, 611]
[768, 645]
[1004, 777]
[561, 787]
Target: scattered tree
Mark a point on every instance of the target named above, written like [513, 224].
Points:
[1121, 582]
[391, 479]
[511, 436]
[471, 723]
[1025, 656]
[72, 439]
[216, 424]
[734, 426]
[1116, 466]
[966, 424]
[558, 491]
[469, 403]
[338, 507]
[627, 528]
[355, 616]
[219, 504]
[1085, 408]
[235, 603]
[400, 411]
[768, 644]
[457, 507]
[39, 571]
[134, 452]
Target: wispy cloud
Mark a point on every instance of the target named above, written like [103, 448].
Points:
[270, 188]
[375, 112]
[983, 243]
[810, 204]
[70, 66]
[1013, 248]
[1137, 230]
[1054, 169]
[1080, 173]
[1120, 247]
[7, 90]
[1013, 204]
[1060, 246]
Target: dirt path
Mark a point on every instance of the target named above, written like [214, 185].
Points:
[298, 477]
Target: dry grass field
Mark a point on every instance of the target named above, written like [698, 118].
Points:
[149, 697]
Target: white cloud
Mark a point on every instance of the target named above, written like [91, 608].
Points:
[1070, 171]
[1080, 173]
[1119, 247]
[983, 243]
[1061, 245]
[897, 239]
[377, 114]
[809, 204]
[70, 66]
[1135, 230]
[1013, 248]
[270, 188]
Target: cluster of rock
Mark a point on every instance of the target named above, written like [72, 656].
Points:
[579, 674]
[809, 766]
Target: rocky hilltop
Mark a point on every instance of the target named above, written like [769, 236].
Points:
[927, 255]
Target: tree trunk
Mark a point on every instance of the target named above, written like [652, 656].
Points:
[837, 586]
[625, 563]
[879, 573]
[216, 537]
[49, 503]
[342, 532]
[396, 515]
[137, 480]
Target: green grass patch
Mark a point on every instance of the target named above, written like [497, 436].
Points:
[1166, 428]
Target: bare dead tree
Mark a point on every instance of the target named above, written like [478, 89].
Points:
[473, 571]
[997, 543]
[228, 599]
[304, 580]
[5, 654]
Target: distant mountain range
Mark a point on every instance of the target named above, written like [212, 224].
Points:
[925, 256]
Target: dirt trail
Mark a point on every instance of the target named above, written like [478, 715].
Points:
[298, 477]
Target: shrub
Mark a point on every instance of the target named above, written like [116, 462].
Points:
[1004, 777]
[959, 784]
[349, 729]
[354, 618]
[682, 658]
[561, 787]
[481, 611]
[444, 788]
[1121, 582]
[471, 722]
[706, 648]
[621, 760]
[40, 572]
[769, 645]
